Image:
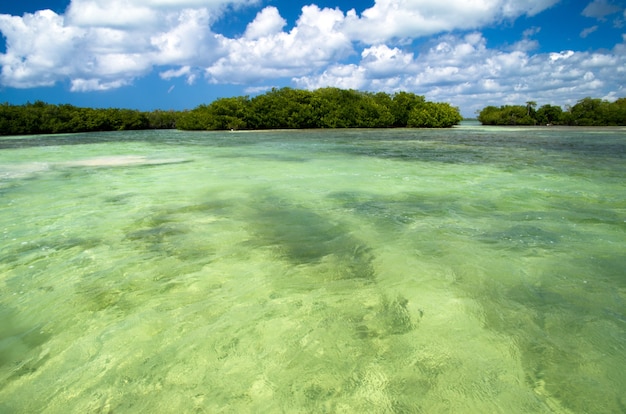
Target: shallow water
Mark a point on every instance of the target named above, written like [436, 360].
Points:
[465, 270]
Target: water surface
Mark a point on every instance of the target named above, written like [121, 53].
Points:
[465, 270]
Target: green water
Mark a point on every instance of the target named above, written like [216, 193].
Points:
[474, 270]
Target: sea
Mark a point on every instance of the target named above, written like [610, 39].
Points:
[464, 270]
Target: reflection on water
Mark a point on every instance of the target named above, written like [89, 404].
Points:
[466, 270]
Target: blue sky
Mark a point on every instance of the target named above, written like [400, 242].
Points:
[177, 54]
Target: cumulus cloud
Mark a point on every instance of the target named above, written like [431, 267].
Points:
[141, 14]
[189, 40]
[384, 61]
[312, 43]
[464, 72]
[40, 49]
[112, 42]
[267, 23]
[526, 44]
[111, 13]
[587, 31]
[85, 85]
[599, 9]
[404, 19]
[107, 44]
[185, 71]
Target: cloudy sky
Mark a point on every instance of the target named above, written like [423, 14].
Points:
[177, 54]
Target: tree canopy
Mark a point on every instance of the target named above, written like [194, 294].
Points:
[323, 108]
[43, 118]
[586, 112]
[277, 109]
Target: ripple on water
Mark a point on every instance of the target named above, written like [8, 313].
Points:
[467, 270]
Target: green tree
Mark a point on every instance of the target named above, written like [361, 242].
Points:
[549, 115]
[616, 112]
[588, 112]
[195, 119]
[227, 113]
[281, 108]
[402, 105]
[159, 119]
[434, 115]
[336, 108]
[506, 115]
[489, 115]
[371, 111]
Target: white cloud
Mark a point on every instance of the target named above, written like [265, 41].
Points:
[267, 23]
[464, 72]
[116, 63]
[587, 31]
[386, 62]
[39, 49]
[189, 40]
[106, 44]
[85, 85]
[524, 45]
[175, 73]
[531, 31]
[562, 55]
[599, 9]
[112, 42]
[401, 19]
[115, 41]
[341, 76]
[311, 44]
[138, 13]
[186, 71]
[109, 13]
[258, 89]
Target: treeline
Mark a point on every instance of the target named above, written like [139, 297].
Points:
[323, 108]
[586, 112]
[276, 109]
[44, 118]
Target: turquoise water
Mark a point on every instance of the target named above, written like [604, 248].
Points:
[467, 270]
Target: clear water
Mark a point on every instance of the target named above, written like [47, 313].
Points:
[468, 270]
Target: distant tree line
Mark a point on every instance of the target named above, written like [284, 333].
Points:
[586, 112]
[277, 109]
[323, 108]
[44, 118]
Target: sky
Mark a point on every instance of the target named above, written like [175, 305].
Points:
[178, 54]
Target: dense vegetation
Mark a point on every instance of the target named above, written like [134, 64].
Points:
[586, 112]
[278, 108]
[43, 118]
[322, 108]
